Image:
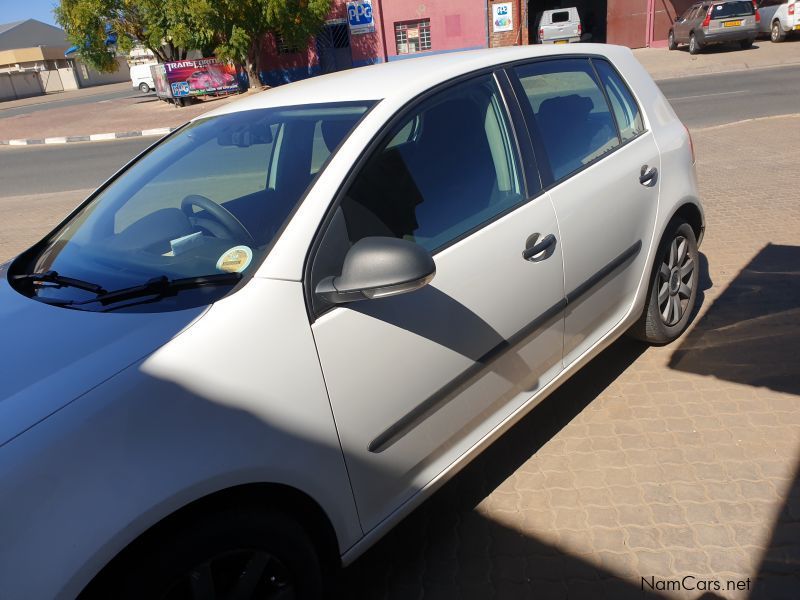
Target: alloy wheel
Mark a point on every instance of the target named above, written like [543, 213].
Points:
[675, 281]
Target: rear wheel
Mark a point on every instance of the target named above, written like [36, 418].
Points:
[232, 554]
[144, 88]
[694, 45]
[673, 287]
[671, 43]
[777, 34]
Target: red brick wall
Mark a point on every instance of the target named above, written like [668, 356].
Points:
[518, 36]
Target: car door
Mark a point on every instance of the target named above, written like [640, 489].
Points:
[415, 380]
[683, 25]
[604, 169]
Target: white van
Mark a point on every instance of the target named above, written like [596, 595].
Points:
[560, 26]
[142, 78]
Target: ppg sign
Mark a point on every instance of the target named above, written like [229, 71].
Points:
[359, 16]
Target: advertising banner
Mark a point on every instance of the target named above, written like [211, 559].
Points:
[185, 78]
[359, 16]
[502, 19]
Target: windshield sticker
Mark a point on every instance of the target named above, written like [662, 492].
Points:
[235, 260]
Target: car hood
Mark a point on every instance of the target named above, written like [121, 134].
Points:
[50, 356]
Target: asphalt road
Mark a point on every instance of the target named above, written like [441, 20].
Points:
[699, 101]
[707, 100]
[71, 100]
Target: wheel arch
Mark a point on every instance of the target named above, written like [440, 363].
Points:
[267, 496]
[691, 213]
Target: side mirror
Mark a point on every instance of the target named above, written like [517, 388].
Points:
[378, 267]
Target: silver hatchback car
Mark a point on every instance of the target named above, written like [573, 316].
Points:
[706, 23]
[268, 338]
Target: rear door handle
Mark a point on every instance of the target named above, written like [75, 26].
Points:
[648, 178]
[533, 253]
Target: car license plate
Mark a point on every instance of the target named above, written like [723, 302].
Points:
[797, 27]
[560, 42]
[732, 23]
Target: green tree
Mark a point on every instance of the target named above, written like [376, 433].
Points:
[159, 25]
[238, 27]
[233, 30]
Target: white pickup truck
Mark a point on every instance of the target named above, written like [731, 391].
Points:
[778, 18]
[561, 26]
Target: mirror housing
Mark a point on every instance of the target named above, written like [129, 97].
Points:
[379, 267]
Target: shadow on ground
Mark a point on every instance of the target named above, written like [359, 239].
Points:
[751, 334]
[722, 48]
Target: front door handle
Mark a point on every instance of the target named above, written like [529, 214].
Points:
[541, 250]
[648, 178]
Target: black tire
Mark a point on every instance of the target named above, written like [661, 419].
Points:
[671, 43]
[216, 553]
[694, 45]
[653, 326]
[776, 33]
[746, 44]
[144, 88]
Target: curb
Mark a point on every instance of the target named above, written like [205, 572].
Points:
[95, 137]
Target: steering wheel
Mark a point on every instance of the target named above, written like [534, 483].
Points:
[221, 216]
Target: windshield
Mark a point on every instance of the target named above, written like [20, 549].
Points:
[208, 200]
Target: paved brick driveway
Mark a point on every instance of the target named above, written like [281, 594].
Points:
[659, 463]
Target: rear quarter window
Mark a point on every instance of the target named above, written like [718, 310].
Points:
[626, 111]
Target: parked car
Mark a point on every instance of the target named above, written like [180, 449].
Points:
[561, 26]
[706, 23]
[274, 333]
[778, 18]
[142, 78]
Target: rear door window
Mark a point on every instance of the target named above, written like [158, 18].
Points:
[561, 16]
[566, 112]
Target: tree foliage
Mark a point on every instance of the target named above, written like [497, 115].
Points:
[232, 29]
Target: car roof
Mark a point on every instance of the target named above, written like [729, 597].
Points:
[402, 80]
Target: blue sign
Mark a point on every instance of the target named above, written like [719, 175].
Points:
[180, 88]
[359, 16]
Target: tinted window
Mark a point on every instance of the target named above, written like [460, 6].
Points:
[732, 9]
[569, 112]
[220, 187]
[446, 168]
[560, 17]
[625, 108]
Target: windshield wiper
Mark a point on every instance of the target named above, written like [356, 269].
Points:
[159, 287]
[54, 277]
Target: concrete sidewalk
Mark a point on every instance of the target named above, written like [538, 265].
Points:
[663, 64]
[145, 115]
